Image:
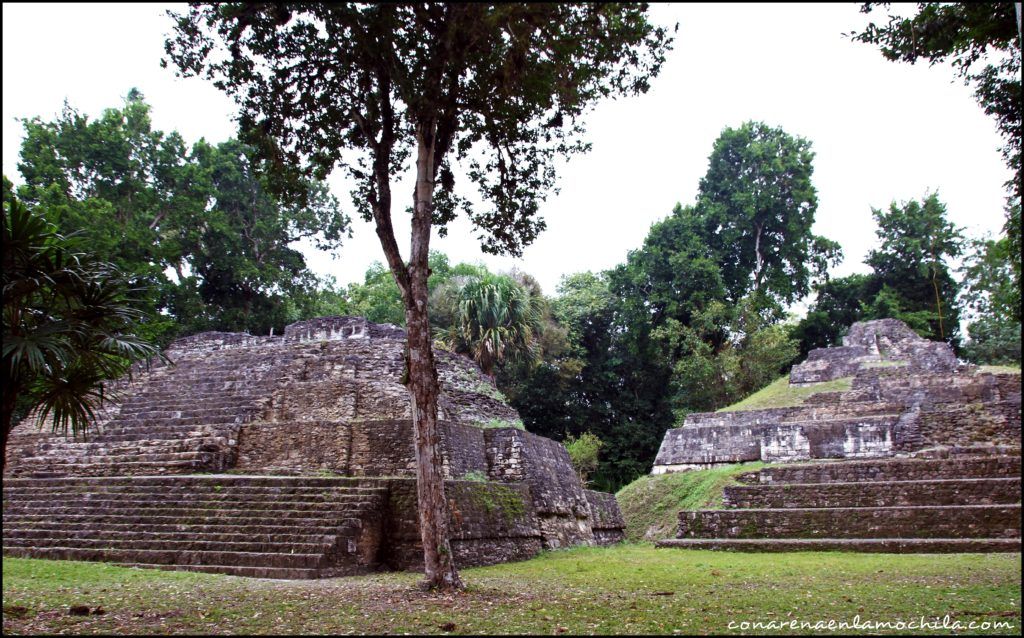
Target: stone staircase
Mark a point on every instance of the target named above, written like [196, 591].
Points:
[171, 420]
[269, 527]
[963, 503]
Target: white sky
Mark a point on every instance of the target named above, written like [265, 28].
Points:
[881, 130]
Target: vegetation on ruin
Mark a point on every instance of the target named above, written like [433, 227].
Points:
[495, 499]
[780, 394]
[69, 325]
[1000, 369]
[651, 504]
[627, 589]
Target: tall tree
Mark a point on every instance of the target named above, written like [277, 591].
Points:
[915, 243]
[195, 228]
[367, 87]
[757, 204]
[981, 40]
[68, 325]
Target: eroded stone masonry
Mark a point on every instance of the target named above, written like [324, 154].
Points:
[906, 394]
[292, 457]
[920, 454]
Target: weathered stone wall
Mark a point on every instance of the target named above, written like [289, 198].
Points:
[605, 518]
[295, 447]
[875, 494]
[558, 496]
[907, 395]
[327, 397]
[986, 521]
[490, 523]
[892, 470]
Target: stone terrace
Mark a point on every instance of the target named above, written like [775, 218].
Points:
[907, 394]
[921, 454]
[955, 504]
[324, 399]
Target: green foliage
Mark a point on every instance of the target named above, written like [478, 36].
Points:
[757, 204]
[494, 320]
[584, 452]
[476, 476]
[993, 301]
[710, 373]
[993, 342]
[205, 244]
[916, 241]
[982, 43]
[501, 423]
[651, 504]
[496, 499]
[910, 280]
[68, 324]
[837, 306]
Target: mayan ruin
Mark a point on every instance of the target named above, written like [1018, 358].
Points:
[920, 454]
[291, 457]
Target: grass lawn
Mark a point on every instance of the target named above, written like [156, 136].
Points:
[622, 589]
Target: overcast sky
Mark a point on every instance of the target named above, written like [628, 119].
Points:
[881, 131]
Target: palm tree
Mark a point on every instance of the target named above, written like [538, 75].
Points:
[495, 319]
[67, 326]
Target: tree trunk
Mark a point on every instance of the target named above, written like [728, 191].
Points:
[438, 562]
[10, 399]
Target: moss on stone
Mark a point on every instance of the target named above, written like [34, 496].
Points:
[780, 394]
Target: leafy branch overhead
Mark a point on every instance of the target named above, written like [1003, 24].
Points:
[499, 88]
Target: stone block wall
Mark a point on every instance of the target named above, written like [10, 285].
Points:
[907, 395]
[606, 518]
[327, 397]
[295, 447]
[490, 523]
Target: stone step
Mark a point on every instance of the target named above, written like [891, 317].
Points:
[37, 506]
[875, 493]
[959, 521]
[279, 573]
[893, 470]
[140, 436]
[192, 410]
[272, 528]
[205, 494]
[104, 469]
[152, 458]
[170, 545]
[185, 513]
[224, 480]
[116, 536]
[880, 545]
[171, 557]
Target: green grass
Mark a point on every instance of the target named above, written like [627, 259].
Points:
[779, 394]
[634, 589]
[651, 504]
[884, 364]
[1000, 369]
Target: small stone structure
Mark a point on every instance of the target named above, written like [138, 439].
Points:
[921, 454]
[906, 394]
[303, 443]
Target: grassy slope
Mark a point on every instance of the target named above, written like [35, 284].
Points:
[651, 503]
[625, 589]
[1000, 369]
[779, 394]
